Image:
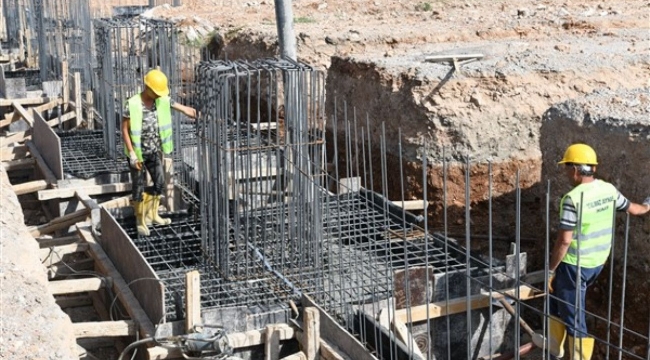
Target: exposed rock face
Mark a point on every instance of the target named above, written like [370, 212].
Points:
[617, 126]
[32, 326]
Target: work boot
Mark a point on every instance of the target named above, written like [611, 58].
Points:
[557, 335]
[581, 348]
[140, 222]
[152, 211]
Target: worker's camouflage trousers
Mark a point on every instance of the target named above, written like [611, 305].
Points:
[153, 165]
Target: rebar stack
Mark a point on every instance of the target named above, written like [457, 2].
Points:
[126, 50]
[19, 24]
[261, 142]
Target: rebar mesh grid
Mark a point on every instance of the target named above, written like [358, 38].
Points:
[83, 155]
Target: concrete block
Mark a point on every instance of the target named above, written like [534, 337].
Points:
[14, 88]
[52, 89]
[347, 185]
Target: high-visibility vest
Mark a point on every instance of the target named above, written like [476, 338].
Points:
[595, 204]
[164, 115]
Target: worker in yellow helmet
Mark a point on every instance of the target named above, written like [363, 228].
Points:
[147, 135]
[581, 249]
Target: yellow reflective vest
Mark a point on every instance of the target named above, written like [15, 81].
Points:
[164, 115]
[595, 205]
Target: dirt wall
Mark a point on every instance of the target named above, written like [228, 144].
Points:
[32, 326]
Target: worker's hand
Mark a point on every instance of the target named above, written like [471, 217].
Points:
[551, 277]
[134, 162]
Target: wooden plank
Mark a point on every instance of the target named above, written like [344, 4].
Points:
[120, 287]
[42, 165]
[65, 193]
[66, 83]
[59, 223]
[77, 98]
[58, 270]
[90, 204]
[271, 343]
[168, 168]
[459, 305]
[330, 352]
[61, 119]
[311, 324]
[104, 329]
[336, 335]
[192, 299]
[16, 138]
[20, 164]
[58, 252]
[25, 101]
[29, 187]
[297, 356]
[412, 204]
[59, 241]
[21, 112]
[73, 301]
[13, 152]
[73, 286]
[404, 335]
[9, 117]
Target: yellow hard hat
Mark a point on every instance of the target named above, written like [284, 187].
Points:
[579, 154]
[157, 82]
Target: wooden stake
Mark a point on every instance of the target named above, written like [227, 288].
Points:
[66, 85]
[311, 342]
[271, 343]
[192, 299]
[90, 115]
[168, 165]
[77, 99]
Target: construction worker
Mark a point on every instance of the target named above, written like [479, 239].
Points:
[581, 249]
[147, 135]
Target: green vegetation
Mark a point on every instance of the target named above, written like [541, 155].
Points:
[303, 20]
[425, 6]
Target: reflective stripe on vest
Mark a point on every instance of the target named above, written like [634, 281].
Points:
[595, 218]
[164, 116]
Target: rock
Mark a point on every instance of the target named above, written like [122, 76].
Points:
[562, 47]
[322, 6]
[523, 12]
[476, 99]
[563, 12]
[330, 40]
[589, 12]
[541, 7]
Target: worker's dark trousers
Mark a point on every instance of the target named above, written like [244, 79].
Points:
[565, 288]
[152, 164]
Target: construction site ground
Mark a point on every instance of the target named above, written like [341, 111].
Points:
[536, 54]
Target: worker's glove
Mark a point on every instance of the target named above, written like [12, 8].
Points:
[551, 277]
[134, 162]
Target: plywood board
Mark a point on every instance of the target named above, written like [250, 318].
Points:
[48, 145]
[140, 277]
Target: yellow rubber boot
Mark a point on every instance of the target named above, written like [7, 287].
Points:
[153, 211]
[557, 335]
[140, 222]
[581, 348]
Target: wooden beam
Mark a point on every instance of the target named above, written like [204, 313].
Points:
[62, 119]
[42, 165]
[65, 193]
[60, 251]
[412, 204]
[16, 138]
[311, 340]
[20, 164]
[90, 115]
[104, 329]
[13, 152]
[297, 356]
[25, 101]
[404, 335]
[29, 187]
[459, 305]
[59, 241]
[330, 352]
[59, 269]
[120, 288]
[74, 286]
[21, 112]
[73, 301]
[192, 299]
[59, 223]
[271, 343]
[9, 117]
[77, 98]
[92, 206]
[66, 84]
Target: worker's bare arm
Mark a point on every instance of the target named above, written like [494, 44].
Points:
[188, 111]
[126, 123]
[639, 209]
[564, 238]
